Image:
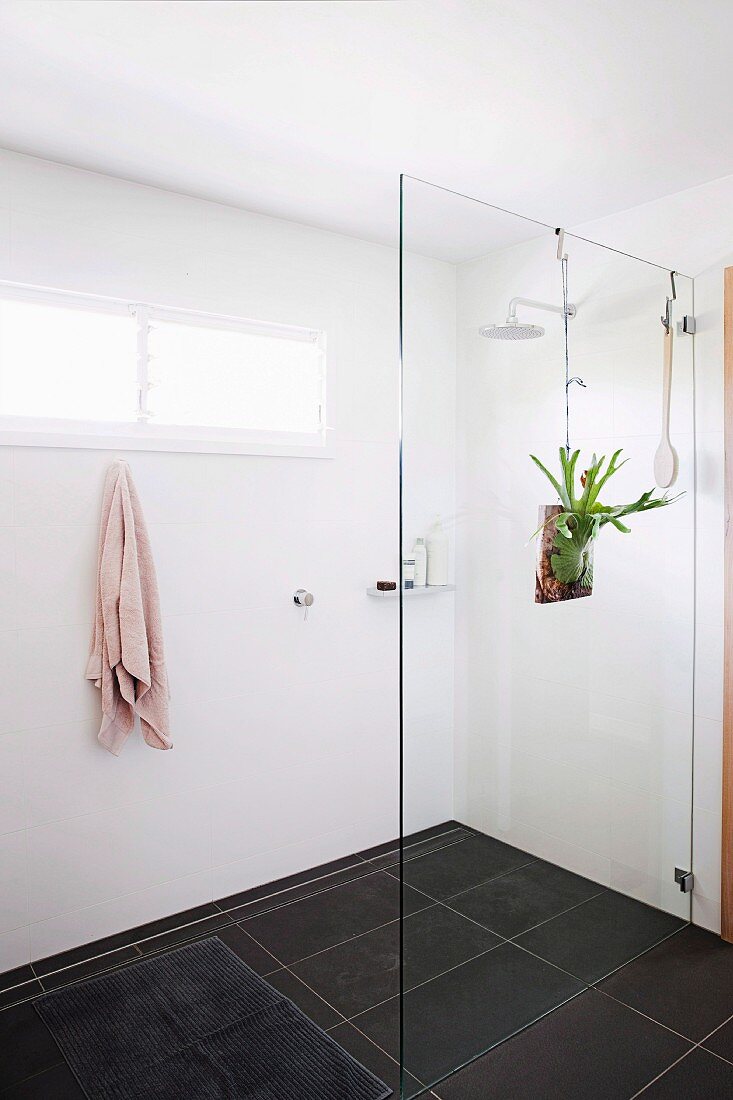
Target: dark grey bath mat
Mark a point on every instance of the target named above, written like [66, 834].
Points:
[198, 1024]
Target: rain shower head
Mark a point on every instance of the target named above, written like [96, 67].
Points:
[512, 330]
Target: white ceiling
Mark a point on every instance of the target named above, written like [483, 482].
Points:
[565, 110]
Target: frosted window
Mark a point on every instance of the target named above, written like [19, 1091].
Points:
[233, 379]
[66, 363]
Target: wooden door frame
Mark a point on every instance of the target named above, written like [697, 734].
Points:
[726, 885]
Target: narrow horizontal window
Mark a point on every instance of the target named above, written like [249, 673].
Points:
[82, 371]
[234, 379]
[65, 363]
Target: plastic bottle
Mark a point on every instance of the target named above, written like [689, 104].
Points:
[420, 554]
[437, 548]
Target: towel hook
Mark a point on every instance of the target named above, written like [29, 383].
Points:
[667, 318]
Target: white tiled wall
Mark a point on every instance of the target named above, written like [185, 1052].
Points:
[694, 231]
[574, 721]
[286, 732]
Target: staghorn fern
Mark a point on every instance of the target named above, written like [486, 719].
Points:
[583, 516]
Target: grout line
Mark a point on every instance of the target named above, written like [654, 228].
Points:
[426, 982]
[693, 1048]
[562, 913]
[349, 939]
[646, 950]
[706, 1037]
[495, 878]
[390, 1056]
[34, 1076]
[342, 1019]
[659, 1075]
[506, 1038]
[280, 963]
[643, 1015]
[390, 871]
[714, 1054]
[511, 939]
[568, 973]
[478, 924]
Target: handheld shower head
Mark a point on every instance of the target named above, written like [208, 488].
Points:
[512, 330]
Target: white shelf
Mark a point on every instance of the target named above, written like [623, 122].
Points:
[423, 590]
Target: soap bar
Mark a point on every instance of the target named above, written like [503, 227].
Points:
[386, 586]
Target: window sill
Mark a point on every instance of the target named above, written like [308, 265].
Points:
[23, 433]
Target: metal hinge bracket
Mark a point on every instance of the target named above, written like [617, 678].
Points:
[687, 326]
[684, 879]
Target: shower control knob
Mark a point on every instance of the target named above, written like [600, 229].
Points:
[303, 598]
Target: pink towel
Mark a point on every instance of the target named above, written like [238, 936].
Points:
[126, 658]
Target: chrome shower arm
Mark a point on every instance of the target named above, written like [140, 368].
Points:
[537, 305]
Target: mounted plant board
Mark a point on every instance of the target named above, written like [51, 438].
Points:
[548, 589]
[568, 530]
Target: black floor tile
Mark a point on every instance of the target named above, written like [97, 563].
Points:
[26, 1045]
[591, 1046]
[58, 1083]
[459, 1015]
[359, 973]
[721, 1041]
[267, 889]
[295, 931]
[196, 929]
[386, 1068]
[459, 867]
[686, 983]
[250, 952]
[600, 935]
[306, 1000]
[366, 971]
[90, 968]
[699, 1076]
[516, 902]
[16, 976]
[20, 993]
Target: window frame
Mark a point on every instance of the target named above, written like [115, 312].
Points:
[140, 434]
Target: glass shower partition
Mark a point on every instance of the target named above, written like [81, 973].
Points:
[546, 725]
